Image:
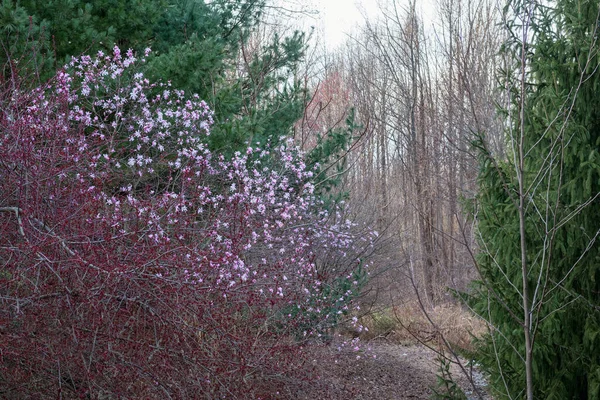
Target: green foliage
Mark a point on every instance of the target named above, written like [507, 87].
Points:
[328, 160]
[23, 43]
[65, 28]
[561, 175]
[269, 101]
[446, 388]
[329, 304]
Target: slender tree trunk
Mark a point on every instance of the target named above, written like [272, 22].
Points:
[526, 305]
[522, 195]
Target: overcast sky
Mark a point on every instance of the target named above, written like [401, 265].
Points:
[335, 19]
[338, 18]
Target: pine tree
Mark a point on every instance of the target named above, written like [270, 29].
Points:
[538, 210]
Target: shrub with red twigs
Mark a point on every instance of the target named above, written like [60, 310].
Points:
[135, 263]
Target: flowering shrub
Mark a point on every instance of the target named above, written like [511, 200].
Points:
[135, 263]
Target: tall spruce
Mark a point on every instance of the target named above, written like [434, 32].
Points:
[538, 210]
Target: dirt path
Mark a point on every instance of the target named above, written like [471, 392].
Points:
[386, 371]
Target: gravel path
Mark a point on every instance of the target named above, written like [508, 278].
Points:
[380, 371]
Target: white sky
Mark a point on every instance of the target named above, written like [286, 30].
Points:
[337, 18]
[334, 20]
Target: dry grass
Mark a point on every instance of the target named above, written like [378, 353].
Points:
[407, 324]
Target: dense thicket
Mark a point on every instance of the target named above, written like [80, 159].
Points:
[538, 209]
[135, 262]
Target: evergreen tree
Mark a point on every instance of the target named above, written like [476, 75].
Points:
[538, 210]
